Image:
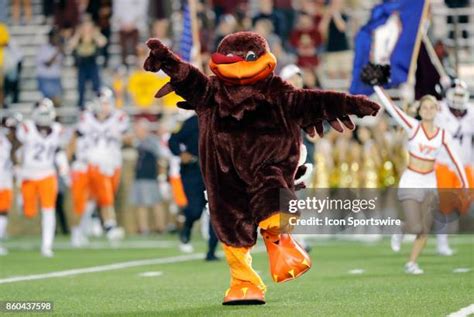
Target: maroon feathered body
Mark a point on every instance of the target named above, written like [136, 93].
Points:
[245, 161]
[250, 135]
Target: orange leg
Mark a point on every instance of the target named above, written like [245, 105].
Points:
[246, 286]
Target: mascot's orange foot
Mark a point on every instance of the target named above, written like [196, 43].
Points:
[244, 294]
[288, 259]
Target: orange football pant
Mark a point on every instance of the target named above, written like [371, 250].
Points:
[102, 186]
[46, 190]
[448, 179]
[6, 199]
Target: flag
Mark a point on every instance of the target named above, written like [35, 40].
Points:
[186, 40]
[427, 76]
[391, 36]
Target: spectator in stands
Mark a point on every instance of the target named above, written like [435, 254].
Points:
[101, 12]
[48, 10]
[14, 58]
[306, 39]
[86, 44]
[49, 61]
[142, 85]
[160, 30]
[3, 11]
[334, 24]
[160, 9]
[145, 193]
[16, 11]
[283, 57]
[285, 9]
[131, 19]
[225, 7]
[4, 39]
[66, 16]
[310, 80]
[278, 20]
[227, 25]
[264, 27]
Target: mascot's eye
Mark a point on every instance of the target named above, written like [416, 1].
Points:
[251, 56]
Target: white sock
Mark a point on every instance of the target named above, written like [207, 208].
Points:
[442, 240]
[3, 226]
[48, 226]
[86, 219]
[75, 231]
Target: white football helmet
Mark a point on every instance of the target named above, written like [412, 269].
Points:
[457, 96]
[104, 103]
[43, 113]
[11, 120]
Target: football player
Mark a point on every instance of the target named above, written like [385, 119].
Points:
[7, 137]
[103, 127]
[40, 153]
[457, 117]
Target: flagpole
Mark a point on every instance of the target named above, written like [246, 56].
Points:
[433, 56]
[196, 50]
[416, 48]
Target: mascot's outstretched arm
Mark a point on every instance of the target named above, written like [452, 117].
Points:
[312, 107]
[186, 79]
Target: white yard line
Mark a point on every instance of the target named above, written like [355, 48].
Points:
[103, 268]
[463, 312]
[114, 266]
[96, 245]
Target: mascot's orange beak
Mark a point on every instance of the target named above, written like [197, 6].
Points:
[236, 70]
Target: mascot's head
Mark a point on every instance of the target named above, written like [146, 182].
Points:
[242, 58]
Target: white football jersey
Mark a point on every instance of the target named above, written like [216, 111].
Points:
[6, 166]
[462, 130]
[104, 139]
[123, 122]
[38, 150]
[81, 154]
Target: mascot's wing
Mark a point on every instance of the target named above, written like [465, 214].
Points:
[186, 80]
[312, 107]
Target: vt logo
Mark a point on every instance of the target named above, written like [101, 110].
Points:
[427, 149]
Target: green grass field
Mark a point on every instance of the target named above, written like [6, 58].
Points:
[195, 288]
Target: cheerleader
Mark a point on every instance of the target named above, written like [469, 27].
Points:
[418, 181]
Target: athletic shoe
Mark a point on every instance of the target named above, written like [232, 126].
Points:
[47, 253]
[445, 250]
[3, 251]
[96, 228]
[413, 268]
[78, 239]
[396, 242]
[186, 247]
[115, 234]
[211, 258]
[244, 294]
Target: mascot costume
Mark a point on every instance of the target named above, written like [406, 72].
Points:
[250, 123]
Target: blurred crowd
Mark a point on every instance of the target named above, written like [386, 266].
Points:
[303, 32]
